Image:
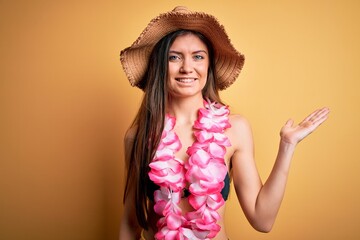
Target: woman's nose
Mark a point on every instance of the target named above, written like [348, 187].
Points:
[186, 66]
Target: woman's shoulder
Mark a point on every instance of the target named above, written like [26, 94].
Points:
[238, 121]
[240, 132]
[130, 134]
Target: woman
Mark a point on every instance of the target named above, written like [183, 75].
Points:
[183, 143]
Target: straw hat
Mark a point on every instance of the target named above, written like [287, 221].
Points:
[228, 61]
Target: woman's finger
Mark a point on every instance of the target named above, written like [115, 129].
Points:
[321, 116]
[316, 116]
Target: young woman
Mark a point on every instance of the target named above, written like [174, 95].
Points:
[183, 143]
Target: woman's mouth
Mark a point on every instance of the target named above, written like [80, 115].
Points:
[185, 80]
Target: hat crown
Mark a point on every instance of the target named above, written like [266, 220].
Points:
[181, 9]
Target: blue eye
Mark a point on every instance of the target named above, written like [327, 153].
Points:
[198, 57]
[173, 58]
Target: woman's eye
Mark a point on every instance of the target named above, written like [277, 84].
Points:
[198, 57]
[173, 58]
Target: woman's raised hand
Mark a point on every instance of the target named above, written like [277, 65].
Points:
[294, 134]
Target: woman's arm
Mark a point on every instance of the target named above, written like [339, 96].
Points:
[261, 202]
[129, 228]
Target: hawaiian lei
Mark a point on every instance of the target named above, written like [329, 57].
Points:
[205, 171]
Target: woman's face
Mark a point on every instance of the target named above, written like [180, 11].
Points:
[188, 66]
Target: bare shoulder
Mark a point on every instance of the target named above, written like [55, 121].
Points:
[239, 123]
[240, 132]
[130, 135]
[128, 143]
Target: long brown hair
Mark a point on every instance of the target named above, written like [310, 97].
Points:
[149, 120]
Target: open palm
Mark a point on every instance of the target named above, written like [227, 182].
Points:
[294, 134]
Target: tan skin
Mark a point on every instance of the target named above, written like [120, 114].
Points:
[188, 64]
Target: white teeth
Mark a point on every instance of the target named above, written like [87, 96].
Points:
[185, 80]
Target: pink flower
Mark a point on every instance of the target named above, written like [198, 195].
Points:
[169, 173]
[215, 170]
[214, 118]
[200, 157]
[194, 234]
[170, 141]
[216, 150]
[205, 187]
[169, 123]
[213, 201]
[219, 138]
[166, 201]
[204, 219]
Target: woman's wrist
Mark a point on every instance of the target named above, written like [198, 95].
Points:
[287, 145]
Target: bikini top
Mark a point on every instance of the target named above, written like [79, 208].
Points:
[152, 187]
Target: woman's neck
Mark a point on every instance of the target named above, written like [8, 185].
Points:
[185, 110]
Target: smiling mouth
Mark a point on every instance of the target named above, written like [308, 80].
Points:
[185, 80]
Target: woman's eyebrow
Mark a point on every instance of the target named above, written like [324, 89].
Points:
[197, 51]
[201, 51]
[176, 52]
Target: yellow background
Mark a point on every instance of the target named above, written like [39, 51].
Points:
[65, 104]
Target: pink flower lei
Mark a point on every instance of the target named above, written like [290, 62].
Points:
[205, 171]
